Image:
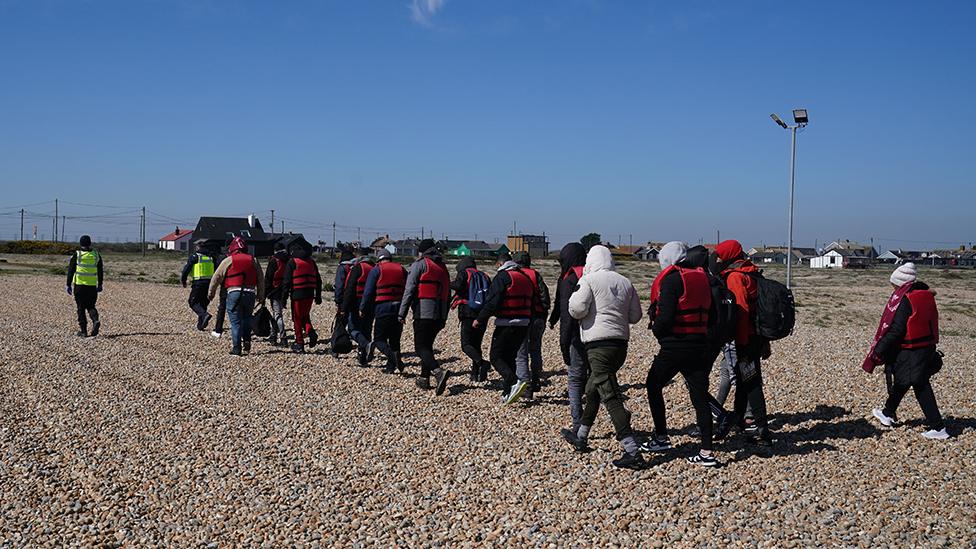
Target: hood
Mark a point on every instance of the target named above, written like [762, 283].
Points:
[509, 266]
[671, 253]
[572, 255]
[919, 285]
[466, 262]
[598, 259]
[281, 255]
[697, 257]
[300, 252]
[434, 254]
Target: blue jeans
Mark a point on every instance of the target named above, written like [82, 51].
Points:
[240, 305]
[530, 353]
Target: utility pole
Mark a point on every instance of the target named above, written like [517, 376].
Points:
[334, 243]
[282, 226]
[21, 223]
[272, 222]
[359, 235]
[55, 219]
[143, 231]
[718, 236]
[63, 217]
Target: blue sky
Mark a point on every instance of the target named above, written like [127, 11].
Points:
[648, 119]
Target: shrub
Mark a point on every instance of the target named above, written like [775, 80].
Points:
[36, 247]
[173, 278]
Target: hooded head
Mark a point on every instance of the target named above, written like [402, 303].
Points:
[384, 255]
[697, 257]
[85, 241]
[572, 255]
[598, 259]
[297, 250]
[523, 259]
[426, 245]
[345, 254]
[236, 245]
[728, 251]
[904, 274]
[466, 262]
[673, 252]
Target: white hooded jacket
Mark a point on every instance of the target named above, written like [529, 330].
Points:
[606, 303]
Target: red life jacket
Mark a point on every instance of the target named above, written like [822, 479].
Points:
[434, 283]
[537, 298]
[279, 274]
[517, 301]
[578, 269]
[694, 303]
[304, 275]
[241, 273]
[923, 324]
[392, 280]
[364, 269]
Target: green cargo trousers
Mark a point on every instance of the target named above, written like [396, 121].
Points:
[602, 386]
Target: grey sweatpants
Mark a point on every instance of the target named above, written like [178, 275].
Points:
[726, 376]
[530, 353]
[278, 313]
[577, 370]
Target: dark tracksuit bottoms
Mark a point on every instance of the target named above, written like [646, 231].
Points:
[505, 344]
[198, 299]
[692, 363]
[913, 374]
[221, 311]
[387, 332]
[85, 299]
[424, 333]
[605, 358]
[471, 341]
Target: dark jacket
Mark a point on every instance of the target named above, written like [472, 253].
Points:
[542, 297]
[909, 366]
[301, 293]
[496, 292]
[664, 317]
[460, 286]
[572, 255]
[270, 291]
[368, 303]
[340, 280]
[73, 265]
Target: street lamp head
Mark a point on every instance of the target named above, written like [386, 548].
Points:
[779, 121]
[800, 116]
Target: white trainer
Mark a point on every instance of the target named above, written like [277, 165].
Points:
[216, 335]
[941, 434]
[883, 419]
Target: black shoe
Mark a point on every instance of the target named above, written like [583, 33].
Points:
[423, 382]
[703, 460]
[273, 340]
[441, 375]
[723, 426]
[247, 346]
[236, 351]
[485, 368]
[536, 387]
[361, 357]
[206, 321]
[579, 444]
[399, 363]
[390, 367]
[298, 348]
[655, 444]
[630, 461]
[370, 352]
[761, 437]
[473, 377]
[95, 326]
[82, 333]
[313, 338]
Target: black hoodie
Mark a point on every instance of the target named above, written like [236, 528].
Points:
[301, 293]
[460, 286]
[280, 257]
[572, 255]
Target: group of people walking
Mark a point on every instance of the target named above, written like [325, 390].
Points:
[703, 305]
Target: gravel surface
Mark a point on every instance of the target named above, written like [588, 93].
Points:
[151, 435]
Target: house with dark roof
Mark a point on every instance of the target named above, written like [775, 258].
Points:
[219, 231]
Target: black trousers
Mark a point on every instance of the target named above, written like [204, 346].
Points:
[198, 299]
[749, 394]
[85, 298]
[221, 311]
[387, 331]
[505, 344]
[693, 366]
[471, 340]
[898, 388]
[424, 334]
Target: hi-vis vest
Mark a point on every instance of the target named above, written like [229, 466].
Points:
[86, 268]
[203, 269]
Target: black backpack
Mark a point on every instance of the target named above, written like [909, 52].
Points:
[775, 309]
[341, 343]
[261, 322]
[721, 317]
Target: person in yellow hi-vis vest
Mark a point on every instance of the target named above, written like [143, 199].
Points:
[85, 283]
[200, 268]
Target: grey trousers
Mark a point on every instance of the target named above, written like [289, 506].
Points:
[530, 353]
[578, 371]
[726, 377]
[278, 314]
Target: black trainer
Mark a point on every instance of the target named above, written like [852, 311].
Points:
[206, 321]
[399, 363]
[95, 327]
[423, 382]
[723, 426]
[361, 357]
[247, 345]
[298, 348]
[82, 333]
[655, 444]
[630, 461]
[390, 367]
[485, 368]
[703, 460]
[579, 444]
[441, 375]
[236, 351]
[313, 337]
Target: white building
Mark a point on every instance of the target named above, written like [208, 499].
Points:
[830, 260]
[178, 240]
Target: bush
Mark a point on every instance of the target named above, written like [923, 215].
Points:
[173, 278]
[36, 247]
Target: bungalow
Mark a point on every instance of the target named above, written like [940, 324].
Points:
[219, 231]
[862, 249]
[647, 253]
[474, 248]
[777, 254]
[841, 259]
[178, 240]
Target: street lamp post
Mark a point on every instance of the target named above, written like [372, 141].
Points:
[800, 120]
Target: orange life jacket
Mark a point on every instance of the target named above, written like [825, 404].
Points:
[389, 286]
[435, 282]
[304, 275]
[517, 301]
[694, 303]
[923, 324]
[241, 273]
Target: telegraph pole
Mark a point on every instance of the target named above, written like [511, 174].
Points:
[334, 243]
[55, 219]
[272, 222]
[63, 217]
[282, 226]
[143, 231]
[21, 223]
